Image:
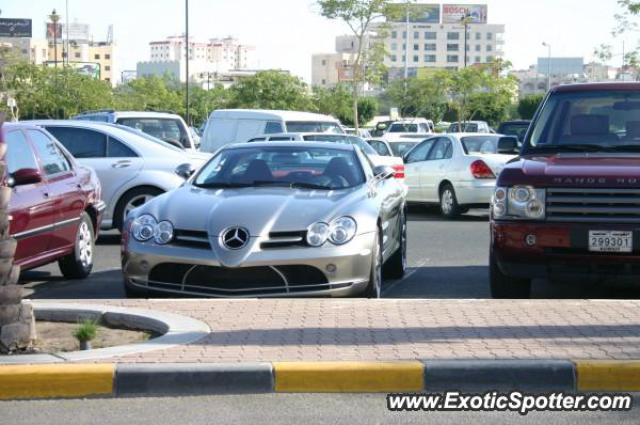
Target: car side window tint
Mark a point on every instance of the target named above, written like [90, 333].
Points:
[82, 143]
[51, 159]
[273, 127]
[420, 152]
[118, 149]
[19, 153]
[380, 147]
[441, 150]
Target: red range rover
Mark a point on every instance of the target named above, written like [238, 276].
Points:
[55, 207]
[569, 207]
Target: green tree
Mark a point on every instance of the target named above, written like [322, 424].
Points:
[360, 16]
[421, 97]
[367, 109]
[150, 94]
[528, 105]
[271, 90]
[338, 102]
[203, 102]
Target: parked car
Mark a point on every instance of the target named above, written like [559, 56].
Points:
[166, 126]
[55, 203]
[228, 126]
[470, 127]
[517, 128]
[271, 219]
[394, 162]
[133, 168]
[397, 148]
[382, 147]
[569, 207]
[361, 132]
[417, 127]
[457, 171]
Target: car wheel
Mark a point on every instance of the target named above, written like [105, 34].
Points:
[503, 286]
[130, 200]
[397, 264]
[79, 263]
[449, 207]
[374, 289]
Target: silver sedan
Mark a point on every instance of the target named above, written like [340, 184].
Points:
[271, 219]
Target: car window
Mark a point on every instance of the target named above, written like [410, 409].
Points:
[400, 148]
[420, 152]
[118, 149]
[280, 139]
[273, 127]
[480, 144]
[344, 139]
[403, 128]
[441, 150]
[379, 147]
[82, 143]
[51, 159]
[163, 128]
[514, 129]
[19, 153]
[313, 127]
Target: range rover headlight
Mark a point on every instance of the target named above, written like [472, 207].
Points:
[317, 234]
[146, 227]
[143, 228]
[342, 230]
[519, 203]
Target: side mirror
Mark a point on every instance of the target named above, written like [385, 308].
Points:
[24, 177]
[508, 145]
[384, 172]
[185, 170]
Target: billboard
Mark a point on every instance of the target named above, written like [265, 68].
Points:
[54, 31]
[90, 69]
[454, 13]
[419, 13]
[15, 27]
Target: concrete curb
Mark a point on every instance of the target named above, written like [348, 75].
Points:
[477, 376]
[174, 329]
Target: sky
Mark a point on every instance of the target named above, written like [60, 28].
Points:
[287, 32]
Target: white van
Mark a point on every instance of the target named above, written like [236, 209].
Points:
[226, 126]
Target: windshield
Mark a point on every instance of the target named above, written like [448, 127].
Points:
[480, 144]
[167, 129]
[400, 148]
[463, 128]
[313, 127]
[344, 139]
[147, 136]
[588, 121]
[514, 129]
[403, 128]
[293, 167]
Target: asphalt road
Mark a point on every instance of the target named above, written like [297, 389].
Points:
[273, 409]
[447, 259]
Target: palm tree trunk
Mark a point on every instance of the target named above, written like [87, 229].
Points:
[17, 324]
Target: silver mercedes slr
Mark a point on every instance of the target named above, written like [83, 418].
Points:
[274, 219]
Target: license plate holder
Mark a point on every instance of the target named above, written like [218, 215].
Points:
[615, 241]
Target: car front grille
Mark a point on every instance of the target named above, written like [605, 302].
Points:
[243, 281]
[593, 205]
[191, 238]
[285, 240]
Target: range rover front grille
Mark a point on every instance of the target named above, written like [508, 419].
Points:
[589, 205]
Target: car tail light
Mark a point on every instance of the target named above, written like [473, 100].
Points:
[399, 171]
[480, 170]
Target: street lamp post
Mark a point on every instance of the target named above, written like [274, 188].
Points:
[54, 19]
[548, 46]
[466, 20]
[186, 14]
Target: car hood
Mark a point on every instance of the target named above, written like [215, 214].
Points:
[259, 210]
[574, 170]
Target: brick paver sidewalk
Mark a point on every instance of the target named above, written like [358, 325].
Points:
[327, 329]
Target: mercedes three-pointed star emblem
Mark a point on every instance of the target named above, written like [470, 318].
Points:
[235, 238]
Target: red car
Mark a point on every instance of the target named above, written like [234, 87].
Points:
[569, 207]
[55, 207]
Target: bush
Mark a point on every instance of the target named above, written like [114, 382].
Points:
[86, 331]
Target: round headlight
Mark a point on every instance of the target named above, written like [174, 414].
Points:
[342, 230]
[317, 234]
[143, 227]
[499, 209]
[521, 194]
[535, 209]
[500, 194]
[163, 233]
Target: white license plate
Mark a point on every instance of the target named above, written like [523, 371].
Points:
[610, 241]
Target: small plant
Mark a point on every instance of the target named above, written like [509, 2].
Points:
[85, 332]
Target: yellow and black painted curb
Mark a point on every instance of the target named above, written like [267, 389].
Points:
[123, 380]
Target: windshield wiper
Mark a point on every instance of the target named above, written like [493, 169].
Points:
[573, 147]
[222, 185]
[625, 148]
[301, 185]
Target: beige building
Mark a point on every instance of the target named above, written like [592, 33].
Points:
[32, 50]
[331, 69]
[85, 53]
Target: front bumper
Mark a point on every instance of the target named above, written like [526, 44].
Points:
[336, 271]
[561, 251]
[475, 192]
